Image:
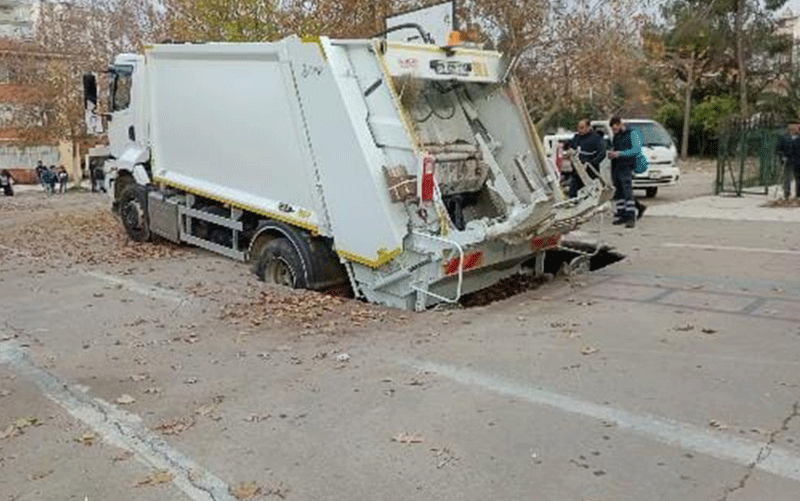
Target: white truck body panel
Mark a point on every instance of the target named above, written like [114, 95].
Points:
[225, 123]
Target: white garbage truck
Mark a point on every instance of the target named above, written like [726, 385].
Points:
[410, 171]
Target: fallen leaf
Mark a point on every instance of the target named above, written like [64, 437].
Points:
[205, 410]
[176, 426]
[125, 399]
[589, 350]
[280, 490]
[716, 424]
[407, 438]
[86, 439]
[685, 328]
[245, 490]
[708, 331]
[255, 418]
[122, 456]
[9, 432]
[158, 477]
[40, 474]
[23, 423]
[191, 380]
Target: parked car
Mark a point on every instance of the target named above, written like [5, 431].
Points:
[660, 151]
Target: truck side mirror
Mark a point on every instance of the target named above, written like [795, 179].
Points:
[89, 90]
[94, 122]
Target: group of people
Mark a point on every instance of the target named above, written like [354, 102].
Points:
[52, 176]
[626, 146]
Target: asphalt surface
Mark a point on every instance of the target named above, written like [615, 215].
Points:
[155, 373]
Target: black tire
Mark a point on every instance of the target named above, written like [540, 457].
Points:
[133, 212]
[280, 264]
[650, 192]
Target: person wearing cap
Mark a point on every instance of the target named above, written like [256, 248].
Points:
[789, 147]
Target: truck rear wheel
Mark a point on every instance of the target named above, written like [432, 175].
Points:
[280, 264]
[133, 212]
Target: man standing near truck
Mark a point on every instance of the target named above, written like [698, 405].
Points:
[626, 146]
[591, 150]
[789, 146]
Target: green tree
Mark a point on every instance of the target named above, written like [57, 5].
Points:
[693, 43]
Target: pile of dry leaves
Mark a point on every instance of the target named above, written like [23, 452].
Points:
[299, 308]
[85, 236]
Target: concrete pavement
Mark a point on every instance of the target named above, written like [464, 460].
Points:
[671, 375]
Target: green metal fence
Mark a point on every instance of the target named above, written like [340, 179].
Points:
[747, 160]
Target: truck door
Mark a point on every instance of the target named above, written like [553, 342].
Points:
[122, 132]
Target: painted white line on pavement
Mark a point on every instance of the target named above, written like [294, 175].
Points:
[736, 249]
[119, 428]
[139, 288]
[770, 459]
[689, 356]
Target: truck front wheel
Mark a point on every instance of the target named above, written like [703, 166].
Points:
[133, 212]
[651, 192]
[280, 264]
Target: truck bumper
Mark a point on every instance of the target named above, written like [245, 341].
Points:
[657, 176]
[437, 281]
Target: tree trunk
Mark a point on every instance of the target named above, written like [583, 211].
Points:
[739, 28]
[687, 109]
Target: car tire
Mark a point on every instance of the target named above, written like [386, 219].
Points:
[651, 192]
[133, 212]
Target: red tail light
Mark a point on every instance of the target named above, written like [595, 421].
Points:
[545, 242]
[472, 260]
[428, 169]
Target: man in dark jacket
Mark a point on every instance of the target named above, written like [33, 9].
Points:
[591, 150]
[626, 146]
[40, 168]
[789, 146]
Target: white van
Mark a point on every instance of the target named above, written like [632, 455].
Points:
[660, 151]
[554, 153]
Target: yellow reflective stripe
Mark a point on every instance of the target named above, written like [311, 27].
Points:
[317, 41]
[274, 215]
[384, 256]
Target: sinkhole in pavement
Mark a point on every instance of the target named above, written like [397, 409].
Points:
[570, 259]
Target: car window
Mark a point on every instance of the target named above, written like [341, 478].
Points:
[654, 134]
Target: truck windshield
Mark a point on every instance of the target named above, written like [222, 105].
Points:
[121, 87]
[654, 134]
